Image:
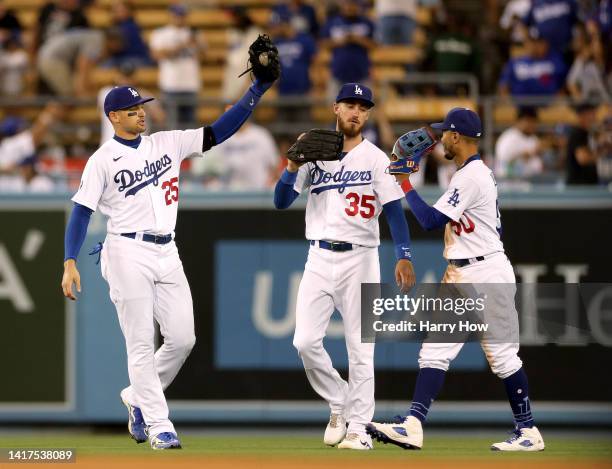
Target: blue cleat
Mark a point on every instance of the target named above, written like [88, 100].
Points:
[165, 440]
[136, 424]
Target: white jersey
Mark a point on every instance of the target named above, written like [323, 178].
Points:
[138, 188]
[471, 203]
[181, 72]
[16, 148]
[346, 197]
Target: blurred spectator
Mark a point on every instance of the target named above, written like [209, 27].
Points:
[601, 19]
[517, 151]
[16, 144]
[133, 48]
[177, 50]
[581, 155]
[241, 37]
[296, 51]
[350, 37]
[57, 16]
[603, 142]
[9, 23]
[511, 20]
[124, 75]
[245, 161]
[396, 20]
[453, 50]
[585, 79]
[538, 73]
[13, 67]
[302, 16]
[554, 20]
[27, 179]
[66, 60]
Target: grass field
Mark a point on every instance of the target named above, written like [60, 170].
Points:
[278, 451]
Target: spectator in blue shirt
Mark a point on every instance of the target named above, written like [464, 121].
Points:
[554, 20]
[350, 36]
[538, 73]
[296, 51]
[302, 16]
[133, 50]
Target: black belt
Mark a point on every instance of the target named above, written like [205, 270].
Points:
[333, 246]
[464, 262]
[149, 238]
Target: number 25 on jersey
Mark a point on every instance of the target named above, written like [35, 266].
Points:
[172, 190]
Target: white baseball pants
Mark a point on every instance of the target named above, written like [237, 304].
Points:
[147, 283]
[502, 357]
[333, 280]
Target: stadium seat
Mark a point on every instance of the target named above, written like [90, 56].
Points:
[423, 109]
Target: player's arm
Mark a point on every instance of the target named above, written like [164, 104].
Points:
[428, 217]
[404, 271]
[284, 192]
[231, 120]
[73, 241]
[265, 65]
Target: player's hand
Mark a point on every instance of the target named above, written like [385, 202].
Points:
[293, 166]
[404, 275]
[71, 276]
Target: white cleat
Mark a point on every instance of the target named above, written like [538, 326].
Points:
[357, 441]
[522, 439]
[335, 430]
[407, 433]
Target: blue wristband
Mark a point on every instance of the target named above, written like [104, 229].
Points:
[288, 177]
[402, 251]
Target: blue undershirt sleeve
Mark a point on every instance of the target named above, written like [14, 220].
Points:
[231, 120]
[76, 231]
[284, 193]
[399, 229]
[429, 218]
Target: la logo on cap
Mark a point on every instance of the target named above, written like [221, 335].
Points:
[358, 90]
[134, 92]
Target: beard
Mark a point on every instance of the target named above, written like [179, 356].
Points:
[449, 154]
[350, 129]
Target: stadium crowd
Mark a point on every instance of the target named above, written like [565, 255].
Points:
[544, 65]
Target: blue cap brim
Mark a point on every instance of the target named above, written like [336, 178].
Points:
[439, 126]
[136, 103]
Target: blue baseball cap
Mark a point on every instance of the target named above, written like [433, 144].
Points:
[11, 125]
[461, 120]
[355, 91]
[123, 97]
[178, 9]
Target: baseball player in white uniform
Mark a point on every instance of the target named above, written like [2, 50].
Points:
[134, 181]
[345, 199]
[469, 212]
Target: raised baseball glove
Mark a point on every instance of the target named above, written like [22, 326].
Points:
[263, 60]
[409, 149]
[317, 145]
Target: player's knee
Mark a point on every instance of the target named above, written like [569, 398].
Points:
[505, 367]
[186, 342]
[305, 345]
